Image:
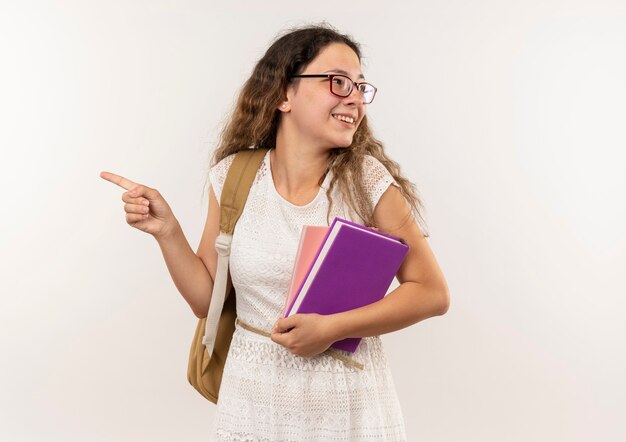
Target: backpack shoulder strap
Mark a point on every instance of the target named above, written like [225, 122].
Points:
[239, 178]
[234, 195]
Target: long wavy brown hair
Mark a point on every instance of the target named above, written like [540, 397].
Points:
[253, 122]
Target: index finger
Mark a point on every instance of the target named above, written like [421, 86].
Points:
[117, 179]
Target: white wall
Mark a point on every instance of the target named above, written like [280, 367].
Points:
[508, 116]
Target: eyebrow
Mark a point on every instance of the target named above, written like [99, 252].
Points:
[341, 71]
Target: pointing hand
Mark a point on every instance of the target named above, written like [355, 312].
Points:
[145, 208]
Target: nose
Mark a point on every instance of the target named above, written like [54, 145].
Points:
[355, 96]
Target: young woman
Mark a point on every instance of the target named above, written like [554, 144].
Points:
[305, 100]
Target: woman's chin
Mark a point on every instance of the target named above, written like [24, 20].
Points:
[344, 143]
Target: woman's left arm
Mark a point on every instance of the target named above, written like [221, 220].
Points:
[423, 291]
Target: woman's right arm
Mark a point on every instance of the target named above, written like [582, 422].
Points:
[191, 277]
[194, 273]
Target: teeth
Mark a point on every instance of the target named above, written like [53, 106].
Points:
[344, 118]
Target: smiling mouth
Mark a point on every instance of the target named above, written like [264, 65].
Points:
[346, 120]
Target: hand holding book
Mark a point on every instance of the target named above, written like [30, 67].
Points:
[303, 335]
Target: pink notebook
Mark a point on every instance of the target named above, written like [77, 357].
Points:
[311, 239]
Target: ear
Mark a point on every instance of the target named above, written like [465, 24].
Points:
[285, 105]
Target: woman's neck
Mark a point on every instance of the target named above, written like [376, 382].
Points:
[296, 170]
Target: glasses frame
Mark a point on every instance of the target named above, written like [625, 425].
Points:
[353, 84]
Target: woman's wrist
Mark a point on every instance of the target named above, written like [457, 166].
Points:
[169, 232]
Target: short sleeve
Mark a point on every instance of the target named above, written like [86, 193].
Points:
[376, 179]
[217, 175]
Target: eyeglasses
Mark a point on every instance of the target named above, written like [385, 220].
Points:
[342, 86]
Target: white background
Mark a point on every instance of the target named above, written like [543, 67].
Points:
[509, 116]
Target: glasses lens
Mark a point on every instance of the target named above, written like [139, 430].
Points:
[341, 85]
[368, 92]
